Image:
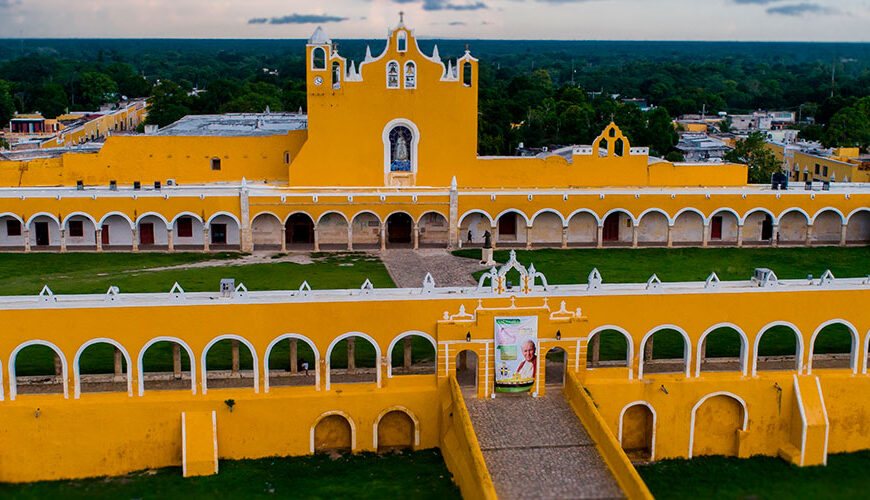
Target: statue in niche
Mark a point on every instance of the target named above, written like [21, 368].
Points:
[400, 158]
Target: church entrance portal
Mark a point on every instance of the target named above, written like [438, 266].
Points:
[399, 228]
[300, 230]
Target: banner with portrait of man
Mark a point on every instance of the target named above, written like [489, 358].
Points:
[516, 353]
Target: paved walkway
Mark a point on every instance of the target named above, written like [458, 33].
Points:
[409, 267]
[537, 448]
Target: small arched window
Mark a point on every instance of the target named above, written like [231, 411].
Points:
[336, 75]
[287, 157]
[215, 163]
[402, 41]
[318, 58]
[400, 149]
[393, 75]
[466, 74]
[618, 147]
[602, 147]
[410, 75]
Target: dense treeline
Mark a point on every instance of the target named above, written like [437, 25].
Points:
[539, 93]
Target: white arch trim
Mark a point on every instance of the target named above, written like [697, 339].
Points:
[726, 210]
[229, 336]
[415, 141]
[744, 347]
[853, 353]
[629, 342]
[549, 211]
[848, 217]
[140, 369]
[120, 214]
[476, 211]
[687, 348]
[184, 214]
[77, 382]
[655, 210]
[634, 220]
[218, 214]
[155, 214]
[794, 209]
[347, 335]
[265, 213]
[14, 216]
[864, 352]
[81, 214]
[758, 209]
[828, 209]
[324, 214]
[585, 211]
[404, 410]
[402, 335]
[340, 413]
[378, 217]
[298, 212]
[516, 210]
[286, 336]
[394, 212]
[800, 345]
[704, 219]
[446, 219]
[705, 398]
[655, 417]
[13, 384]
[42, 214]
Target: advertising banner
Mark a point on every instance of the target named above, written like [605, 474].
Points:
[516, 353]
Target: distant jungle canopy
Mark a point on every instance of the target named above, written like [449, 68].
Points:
[539, 93]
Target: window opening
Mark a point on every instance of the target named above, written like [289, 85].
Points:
[466, 74]
[13, 228]
[393, 75]
[185, 227]
[410, 75]
[215, 163]
[400, 149]
[318, 58]
[402, 42]
[76, 228]
[336, 75]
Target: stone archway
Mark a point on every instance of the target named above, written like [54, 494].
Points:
[400, 230]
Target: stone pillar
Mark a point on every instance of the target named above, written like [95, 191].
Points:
[416, 237]
[135, 239]
[170, 236]
[599, 241]
[351, 360]
[26, 240]
[246, 237]
[596, 350]
[843, 229]
[705, 238]
[283, 238]
[634, 231]
[739, 234]
[703, 352]
[453, 217]
[176, 361]
[350, 236]
[235, 344]
[564, 237]
[670, 236]
[119, 369]
[648, 350]
[809, 234]
[294, 356]
[58, 366]
[492, 231]
[316, 239]
[62, 240]
[98, 238]
[382, 236]
[774, 236]
[528, 237]
[407, 353]
[206, 237]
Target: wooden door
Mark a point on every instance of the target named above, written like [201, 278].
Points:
[507, 225]
[716, 228]
[611, 228]
[104, 234]
[42, 234]
[219, 234]
[146, 233]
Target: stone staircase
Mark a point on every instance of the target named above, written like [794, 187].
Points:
[537, 448]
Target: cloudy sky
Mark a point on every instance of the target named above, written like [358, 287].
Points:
[802, 20]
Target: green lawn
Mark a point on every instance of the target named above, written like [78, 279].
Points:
[419, 475]
[765, 478]
[624, 265]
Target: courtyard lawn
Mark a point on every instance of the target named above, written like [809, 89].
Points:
[769, 478]
[626, 265]
[420, 474]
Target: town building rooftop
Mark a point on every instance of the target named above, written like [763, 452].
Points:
[236, 125]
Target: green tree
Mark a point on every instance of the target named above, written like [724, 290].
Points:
[849, 127]
[753, 152]
[7, 103]
[97, 89]
[50, 100]
[168, 103]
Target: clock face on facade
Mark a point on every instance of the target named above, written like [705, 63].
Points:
[318, 80]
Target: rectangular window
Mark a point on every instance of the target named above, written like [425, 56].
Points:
[825, 171]
[215, 163]
[13, 228]
[817, 168]
[185, 227]
[76, 229]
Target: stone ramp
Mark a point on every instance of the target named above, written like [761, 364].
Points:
[409, 267]
[536, 448]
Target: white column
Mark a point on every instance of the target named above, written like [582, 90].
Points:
[63, 240]
[98, 237]
[205, 238]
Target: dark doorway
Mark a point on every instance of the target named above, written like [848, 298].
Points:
[219, 234]
[767, 228]
[299, 229]
[399, 228]
[716, 228]
[104, 235]
[146, 233]
[507, 224]
[42, 234]
[611, 228]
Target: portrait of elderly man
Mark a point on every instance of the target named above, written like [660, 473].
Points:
[529, 366]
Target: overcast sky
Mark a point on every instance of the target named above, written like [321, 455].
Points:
[787, 20]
